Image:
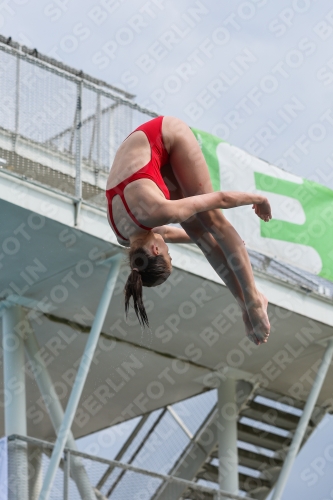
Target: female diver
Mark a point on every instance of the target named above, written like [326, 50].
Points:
[140, 207]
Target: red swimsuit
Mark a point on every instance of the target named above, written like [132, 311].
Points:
[159, 157]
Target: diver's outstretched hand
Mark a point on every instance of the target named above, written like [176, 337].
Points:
[263, 210]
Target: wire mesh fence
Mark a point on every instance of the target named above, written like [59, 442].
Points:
[79, 472]
[60, 128]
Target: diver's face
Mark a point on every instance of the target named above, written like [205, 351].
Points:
[161, 248]
[164, 250]
[167, 256]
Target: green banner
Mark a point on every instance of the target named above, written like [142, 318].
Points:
[208, 144]
[301, 231]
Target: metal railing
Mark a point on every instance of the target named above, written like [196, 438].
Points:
[135, 483]
[59, 126]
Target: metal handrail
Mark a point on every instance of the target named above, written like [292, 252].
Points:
[88, 84]
[129, 467]
[42, 58]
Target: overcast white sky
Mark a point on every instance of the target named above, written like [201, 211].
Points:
[258, 73]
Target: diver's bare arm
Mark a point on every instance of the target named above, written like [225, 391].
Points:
[173, 234]
[181, 210]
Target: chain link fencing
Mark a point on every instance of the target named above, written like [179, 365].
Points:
[129, 482]
[59, 127]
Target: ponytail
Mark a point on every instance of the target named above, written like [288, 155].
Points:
[147, 270]
[133, 288]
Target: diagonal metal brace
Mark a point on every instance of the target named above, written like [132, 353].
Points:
[303, 422]
[81, 377]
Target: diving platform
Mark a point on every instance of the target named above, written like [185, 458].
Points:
[62, 281]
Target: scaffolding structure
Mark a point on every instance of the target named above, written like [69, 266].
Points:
[59, 130]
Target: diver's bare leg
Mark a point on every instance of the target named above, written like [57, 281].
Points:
[213, 253]
[191, 172]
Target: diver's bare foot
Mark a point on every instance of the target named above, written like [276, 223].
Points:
[259, 319]
[249, 328]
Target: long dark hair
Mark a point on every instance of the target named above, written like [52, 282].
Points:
[146, 270]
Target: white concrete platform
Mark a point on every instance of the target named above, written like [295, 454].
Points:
[196, 328]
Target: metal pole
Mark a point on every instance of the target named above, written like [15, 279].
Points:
[81, 377]
[112, 138]
[56, 413]
[137, 470]
[137, 451]
[303, 422]
[78, 151]
[123, 449]
[227, 436]
[179, 421]
[67, 459]
[15, 403]
[35, 471]
[98, 137]
[17, 103]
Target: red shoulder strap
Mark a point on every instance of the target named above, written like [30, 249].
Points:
[134, 219]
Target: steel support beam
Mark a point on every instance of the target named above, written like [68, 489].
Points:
[136, 452]
[227, 436]
[179, 421]
[35, 471]
[123, 449]
[81, 376]
[303, 422]
[78, 152]
[98, 136]
[15, 402]
[192, 459]
[67, 470]
[200, 447]
[56, 414]
[17, 104]
[78, 141]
